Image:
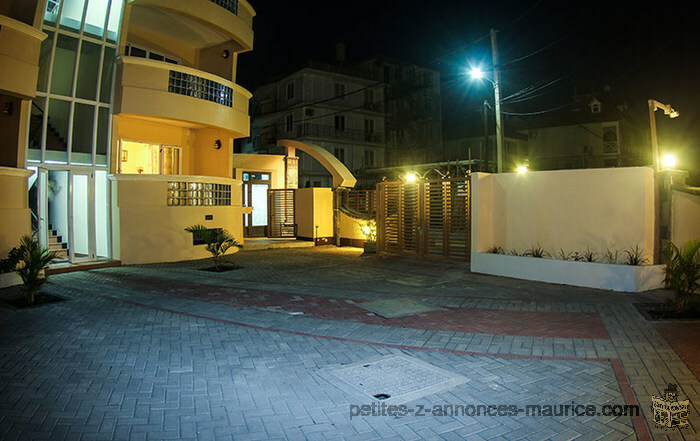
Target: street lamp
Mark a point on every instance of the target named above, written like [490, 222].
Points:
[477, 74]
[668, 110]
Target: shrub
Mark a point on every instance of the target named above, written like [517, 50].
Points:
[635, 256]
[536, 251]
[8, 265]
[33, 259]
[683, 273]
[218, 242]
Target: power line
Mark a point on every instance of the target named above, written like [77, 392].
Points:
[534, 5]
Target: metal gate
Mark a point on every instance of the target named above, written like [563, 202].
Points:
[280, 213]
[429, 217]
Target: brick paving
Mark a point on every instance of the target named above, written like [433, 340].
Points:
[684, 338]
[170, 352]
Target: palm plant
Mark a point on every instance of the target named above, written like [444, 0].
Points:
[683, 273]
[218, 242]
[32, 260]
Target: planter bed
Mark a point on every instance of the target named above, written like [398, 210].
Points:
[9, 279]
[615, 277]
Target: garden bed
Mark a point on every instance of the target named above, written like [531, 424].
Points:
[20, 302]
[663, 311]
[615, 277]
[221, 269]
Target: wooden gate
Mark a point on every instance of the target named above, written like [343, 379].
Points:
[428, 218]
[280, 213]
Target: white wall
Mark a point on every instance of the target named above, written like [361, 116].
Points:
[686, 217]
[569, 209]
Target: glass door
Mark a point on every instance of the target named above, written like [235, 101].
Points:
[82, 217]
[255, 186]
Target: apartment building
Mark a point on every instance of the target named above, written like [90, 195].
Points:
[118, 124]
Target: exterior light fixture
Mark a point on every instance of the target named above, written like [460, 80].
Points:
[411, 177]
[522, 169]
[476, 73]
[668, 161]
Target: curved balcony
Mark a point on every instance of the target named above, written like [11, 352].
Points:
[19, 57]
[201, 23]
[169, 91]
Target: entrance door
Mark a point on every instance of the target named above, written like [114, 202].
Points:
[70, 210]
[255, 186]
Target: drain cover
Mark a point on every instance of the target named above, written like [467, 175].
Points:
[394, 378]
[397, 307]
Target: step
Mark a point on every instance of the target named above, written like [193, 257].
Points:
[58, 246]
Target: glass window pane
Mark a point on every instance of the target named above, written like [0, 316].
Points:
[101, 213]
[81, 193]
[83, 122]
[72, 14]
[103, 123]
[107, 73]
[57, 131]
[36, 123]
[95, 17]
[51, 12]
[115, 17]
[86, 86]
[44, 60]
[64, 65]
[137, 52]
[259, 202]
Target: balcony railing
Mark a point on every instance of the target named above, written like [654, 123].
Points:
[330, 132]
[198, 87]
[231, 5]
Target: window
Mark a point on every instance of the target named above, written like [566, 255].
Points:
[149, 159]
[369, 130]
[610, 143]
[340, 123]
[369, 98]
[289, 122]
[290, 91]
[340, 90]
[135, 51]
[339, 153]
[369, 158]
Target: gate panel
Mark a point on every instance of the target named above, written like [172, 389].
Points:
[429, 218]
[281, 221]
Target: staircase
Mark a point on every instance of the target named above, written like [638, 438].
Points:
[56, 245]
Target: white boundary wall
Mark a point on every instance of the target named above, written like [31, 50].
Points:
[563, 209]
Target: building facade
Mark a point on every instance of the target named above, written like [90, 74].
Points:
[413, 111]
[337, 108]
[124, 113]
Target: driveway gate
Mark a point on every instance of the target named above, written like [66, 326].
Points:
[429, 217]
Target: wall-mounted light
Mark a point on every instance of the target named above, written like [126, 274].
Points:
[217, 144]
[226, 53]
[411, 177]
[522, 169]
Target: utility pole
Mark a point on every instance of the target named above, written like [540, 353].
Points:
[497, 95]
[485, 150]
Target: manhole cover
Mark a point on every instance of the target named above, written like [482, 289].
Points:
[397, 307]
[394, 378]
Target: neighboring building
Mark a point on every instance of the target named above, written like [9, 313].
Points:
[126, 112]
[413, 111]
[340, 109]
[370, 115]
[595, 132]
[482, 151]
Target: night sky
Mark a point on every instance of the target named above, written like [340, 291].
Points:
[640, 50]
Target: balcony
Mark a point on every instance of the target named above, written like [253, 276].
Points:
[201, 23]
[306, 130]
[19, 57]
[167, 91]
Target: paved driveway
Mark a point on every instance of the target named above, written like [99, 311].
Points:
[172, 352]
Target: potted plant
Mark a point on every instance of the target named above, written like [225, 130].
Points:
[369, 229]
[218, 242]
[33, 259]
[683, 273]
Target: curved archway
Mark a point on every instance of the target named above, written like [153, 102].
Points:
[342, 177]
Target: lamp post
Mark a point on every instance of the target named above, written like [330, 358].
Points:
[668, 110]
[476, 73]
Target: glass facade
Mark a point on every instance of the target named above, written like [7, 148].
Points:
[71, 115]
[70, 124]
